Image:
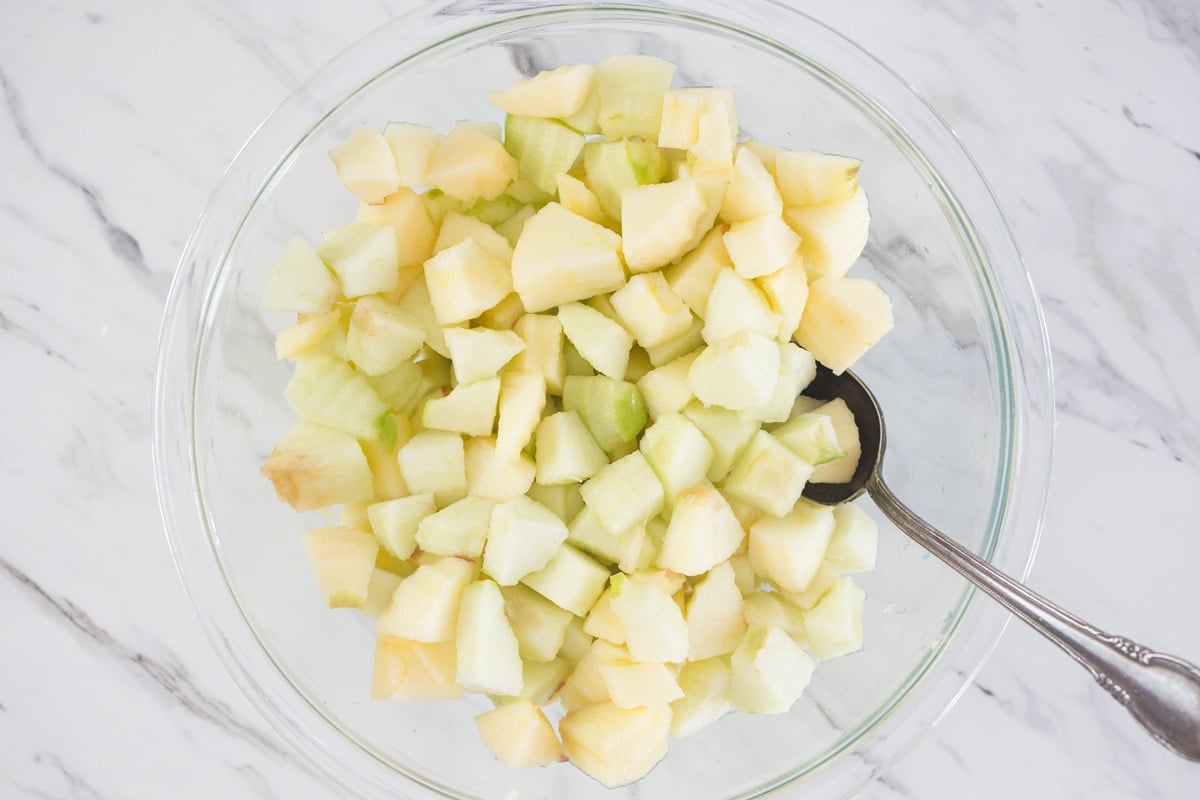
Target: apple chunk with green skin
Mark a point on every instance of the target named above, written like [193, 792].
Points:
[424, 608]
[469, 408]
[714, 615]
[706, 686]
[624, 493]
[614, 745]
[396, 522]
[768, 476]
[660, 221]
[464, 281]
[366, 166]
[834, 625]
[488, 655]
[788, 551]
[408, 670]
[702, 533]
[737, 372]
[435, 461]
[314, 466]
[562, 257]
[650, 310]
[364, 258]
[654, 625]
[770, 672]
[555, 93]
[602, 342]
[299, 281]
[459, 529]
[468, 164]
[566, 451]
[613, 411]
[520, 735]
[342, 560]
[523, 537]
[844, 317]
[479, 353]
[571, 580]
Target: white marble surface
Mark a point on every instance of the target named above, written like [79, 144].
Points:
[1084, 114]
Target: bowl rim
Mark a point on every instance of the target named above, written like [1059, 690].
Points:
[200, 274]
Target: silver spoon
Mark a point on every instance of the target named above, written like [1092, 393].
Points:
[1160, 691]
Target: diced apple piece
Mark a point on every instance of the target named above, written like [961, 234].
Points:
[714, 615]
[788, 551]
[833, 235]
[706, 686]
[587, 532]
[564, 500]
[520, 735]
[639, 685]
[616, 746]
[479, 353]
[425, 606]
[469, 164]
[412, 148]
[557, 93]
[665, 389]
[631, 89]
[737, 372]
[844, 318]
[299, 281]
[395, 522]
[624, 493]
[681, 111]
[752, 192]
[488, 656]
[771, 610]
[855, 541]
[314, 466]
[522, 399]
[495, 477]
[696, 273]
[495, 211]
[365, 165]
[603, 343]
[571, 580]
[342, 560]
[678, 453]
[435, 461]
[562, 257]
[544, 149]
[839, 470]
[770, 672]
[807, 178]
[566, 451]
[464, 281]
[504, 315]
[576, 643]
[405, 212]
[613, 167]
[469, 408]
[456, 227]
[381, 336]
[586, 686]
[736, 304]
[585, 119]
[438, 204]
[364, 258]
[416, 301]
[321, 332]
[702, 533]
[743, 572]
[523, 538]
[797, 368]
[687, 342]
[654, 625]
[834, 625]
[328, 391]
[613, 411]
[787, 291]
[575, 196]
[810, 436]
[458, 529]
[379, 591]
[408, 670]
[712, 154]
[760, 246]
[820, 585]
[542, 681]
[660, 221]
[540, 626]
[650, 310]
[726, 431]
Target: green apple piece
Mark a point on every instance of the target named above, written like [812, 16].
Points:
[519, 734]
[586, 686]
[544, 148]
[832, 235]
[787, 291]
[495, 211]
[665, 389]
[575, 196]
[488, 655]
[416, 301]
[469, 408]
[495, 477]
[524, 537]
[654, 625]
[768, 476]
[365, 165]
[364, 258]
[522, 399]
[564, 500]
[685, 343]
[770, 672]
[624, 493]
[855, 541]
[556, 93]
[737, 372]
[614, 166]
[834, 625]
[797, 369]
[566, 451]
[562, 257]
[315, 466]
[405, 212]
[602, 623]
[614, 745]
[681, 112]
[650, 310]
[479, 353]
[696, 273]
[839, 470]
[299, 281]
[844, 317]
[395, 522]
[706, 685]
[435, 461]
[469, 164]
[328, 391]
[807, 178]
[512, 228]
[424, 607]
[571, 580]
[545, 350]
[818, 587]
[660, 221]
[464, 281]
[412, 148]
[408, 670]
[458, 529]
[714, 614]
[678, 452]
[702, 532]
[761, 245]
[810, 436]
[381, 336]
[769, 609]
[736, 304]
[752, 192]
[613, 411]
[379, 591]
[726, 431]
[603, 343]
[342, 561]
[540, 625]
[399, 387]
[788, 551]
[457, 227]
[639, 685]
[631, 89]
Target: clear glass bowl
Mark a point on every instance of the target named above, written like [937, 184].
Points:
[964, 379]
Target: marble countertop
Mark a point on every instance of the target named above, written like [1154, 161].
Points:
[1085, 116]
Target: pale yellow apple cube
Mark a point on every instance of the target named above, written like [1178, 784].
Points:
[650, 310]
[470, 164]
[464, 281]
[365, 165]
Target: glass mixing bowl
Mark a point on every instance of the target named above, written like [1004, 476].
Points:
[964, 380]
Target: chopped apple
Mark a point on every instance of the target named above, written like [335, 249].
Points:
[381, 336]
[808, 178]
[834, 625]
[405, 212]
[365, 165]
[540, 626]
[364, 257]
[743, 572]
[408, 670]
[562, 257]
[424, 607]
[571, 580]
[314, 466]
[469, 408]
[435, 461]
[495, 477]
[654, 625]
[613, 411]
[566, 451]
[488, 656]
[761, 245]
[456, 227]
[844, 317]
[585, 686]
[602, 623]
[810, 436]
[631, 90]
[542, 681]
[544, 149]
[650, 310]
[638, 685]
[770, 672]
[855, 541]
[479, 353]
[522, 400]
[459, 529]
[706, 686]
[299, 281]
[787, 291]
[554, 93]
[523, 537]
[585, 119]
[771, 610]
[469, 164]
[737, 372]
[545, 350]
[379, 591]
[839, 470]
[818, 587]
[328, 391]
[833, 235]
[660, 221]
[587, 532]
[342, 560]
[665, 389]
[613, 167]
[681, 112]
[788, 551]
[412, 148]
[681, 345]
[504, 315]
[736, 304]
[624, 493]
[702, 532]
[693, 277]
[464, 281]
[714, 614]
[678, 453]
[726, 431]
[614, 745]
[395, 522]
[310, 333]
[797, 368]
[575, 196]
[520, 735]
[564, 500]
[712, 154]
[752, 192]
[416, 301]
[603, 343]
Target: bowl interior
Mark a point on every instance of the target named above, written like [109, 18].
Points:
[942, 376]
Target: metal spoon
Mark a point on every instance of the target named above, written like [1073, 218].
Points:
[1160, 691]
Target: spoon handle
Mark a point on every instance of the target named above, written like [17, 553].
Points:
[1162, 692]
